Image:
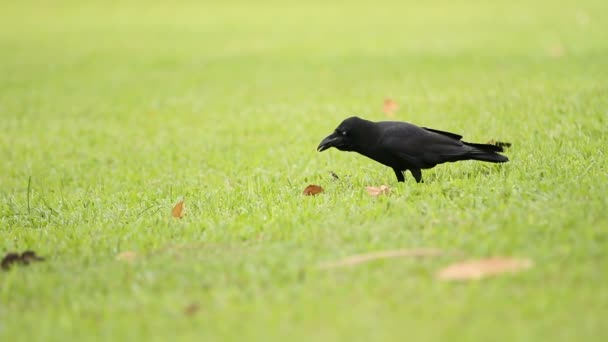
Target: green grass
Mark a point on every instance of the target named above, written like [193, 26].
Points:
[117, 110]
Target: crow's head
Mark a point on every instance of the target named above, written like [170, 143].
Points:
[348, 136]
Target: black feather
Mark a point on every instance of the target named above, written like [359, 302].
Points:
[447, 134]
[403, 146]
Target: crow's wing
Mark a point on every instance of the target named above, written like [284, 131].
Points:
[419, 147]
[447, 134]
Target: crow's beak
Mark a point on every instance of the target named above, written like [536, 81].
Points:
[328, 142]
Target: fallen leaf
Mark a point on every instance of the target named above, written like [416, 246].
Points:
[191, 309]
[556, 51]
[480, 268]
[178, 210]
[312, 190]
[9, 259]
[24, 258]
[367, 257]
[29, 256]
[377, 191]
[390, 107]
[128, 256]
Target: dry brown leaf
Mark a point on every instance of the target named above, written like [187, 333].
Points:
[390, 107]
[191, 309]
[556, 51]
[127, 256]
[480, 268]
[24, 258]
[29, 256]
[312, 190]
[9, 259]
[377, 191]
[178, 210]
[367, 257]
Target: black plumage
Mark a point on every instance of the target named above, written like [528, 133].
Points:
[404, 146]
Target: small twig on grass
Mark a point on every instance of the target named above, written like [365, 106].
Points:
[158, 206]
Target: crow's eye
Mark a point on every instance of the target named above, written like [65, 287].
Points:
[340, 132]
[344, 133]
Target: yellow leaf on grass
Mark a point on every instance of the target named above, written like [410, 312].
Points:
[481, 268]
[128, 256]
[367, 257]
[178, 210]
[377, 191]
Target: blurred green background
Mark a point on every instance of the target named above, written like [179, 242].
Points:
[117, 109]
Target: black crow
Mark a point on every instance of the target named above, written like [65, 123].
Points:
[403, 146]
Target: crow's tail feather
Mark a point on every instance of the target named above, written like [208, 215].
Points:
[488, 152]
[493, 147]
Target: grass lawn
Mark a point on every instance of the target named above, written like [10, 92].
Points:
[118, 110]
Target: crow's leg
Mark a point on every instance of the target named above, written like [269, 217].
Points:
[417, 175]
[399, 174]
